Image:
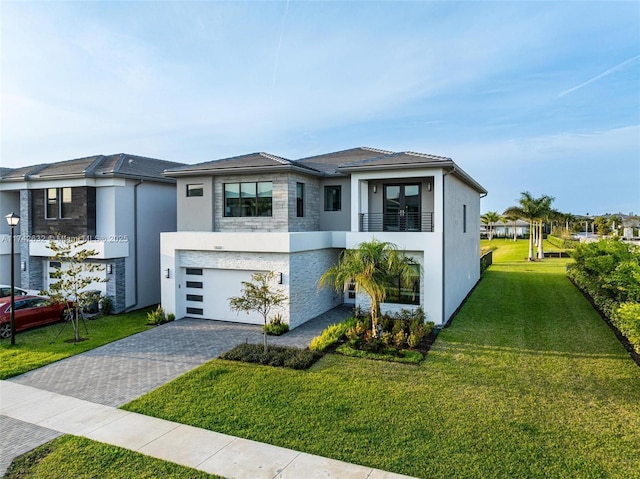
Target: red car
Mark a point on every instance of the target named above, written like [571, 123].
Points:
[31, 311]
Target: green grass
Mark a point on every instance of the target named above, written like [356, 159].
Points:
[527, 382]
[79, 458]
[38, 347]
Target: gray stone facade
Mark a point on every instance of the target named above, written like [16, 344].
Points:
[116, 284]
[307, 300]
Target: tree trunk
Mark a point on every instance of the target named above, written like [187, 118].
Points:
[540, 247]
[374, 318]
[264, 335]
[515, 231]
[531, 234]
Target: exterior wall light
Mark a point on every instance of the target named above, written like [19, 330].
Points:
[166, 273]
[279, 278]
[23, 265]
[109, 269]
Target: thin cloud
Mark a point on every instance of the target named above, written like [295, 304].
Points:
[275, 66]
[601, 75]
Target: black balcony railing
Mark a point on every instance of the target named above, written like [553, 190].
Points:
[403, 221]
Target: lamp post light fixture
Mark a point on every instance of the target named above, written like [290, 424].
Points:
[13, 220]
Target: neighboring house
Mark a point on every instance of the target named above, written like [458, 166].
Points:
[119, 202]
[502, 230]
[261, 212]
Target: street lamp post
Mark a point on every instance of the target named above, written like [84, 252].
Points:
[13, 220]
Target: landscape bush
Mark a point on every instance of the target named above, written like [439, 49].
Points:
[278, 356]
[158, 317]
[276, 327]
[398, 331]
[609, 272]
[331, 335]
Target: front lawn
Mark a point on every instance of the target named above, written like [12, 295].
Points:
[527, 382]
[79, 458]
[38, 347]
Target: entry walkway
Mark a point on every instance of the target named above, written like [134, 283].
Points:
[208, 451]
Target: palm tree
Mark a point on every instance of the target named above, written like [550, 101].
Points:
[545, 214]
[532, 210]
[490, 218]
[371, 266]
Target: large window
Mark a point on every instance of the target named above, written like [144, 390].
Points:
[333, 198]
[404, 292]
[299, 200]
[248, 199]
[58, 203]
[195, 189]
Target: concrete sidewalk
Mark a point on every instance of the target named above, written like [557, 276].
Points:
[208, 451]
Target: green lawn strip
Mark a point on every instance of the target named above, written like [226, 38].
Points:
[79, 458]
[407, 356]
[527, 382]
[38, 347]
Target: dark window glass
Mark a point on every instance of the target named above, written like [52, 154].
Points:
[194, 284]
[55, 264]
[194, 297]
[265, 195]
[232, 199]
[196, 271]
[195, 190]
[404, 292]
[464, 218]
[51, 196]
[195, 311]
[299, 199]
[333, 198]
[248, 199]
[65, 205]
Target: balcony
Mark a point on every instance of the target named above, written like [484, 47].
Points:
[397, 222]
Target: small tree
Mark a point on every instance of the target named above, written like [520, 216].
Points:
[258, 296]
[73, 274]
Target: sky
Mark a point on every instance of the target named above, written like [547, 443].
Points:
[537, 96]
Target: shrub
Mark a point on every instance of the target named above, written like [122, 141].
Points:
[276, 326]
[391, 354]
[627, 319]
[400, 338]
[331, 335]
[277, 356]
[157, 316]
[171, 317]
[106, 305]
[564, 243]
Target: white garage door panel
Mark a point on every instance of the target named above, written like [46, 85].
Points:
[219, 286]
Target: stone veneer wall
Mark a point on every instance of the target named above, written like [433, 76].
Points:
[278, 221]
[307, 301]
[32, 277]
[283, 216]
[311, 219]
[117, 285]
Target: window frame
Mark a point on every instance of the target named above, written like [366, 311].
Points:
[256, 201]
[193, 188]
[336, 189]
[299, 199]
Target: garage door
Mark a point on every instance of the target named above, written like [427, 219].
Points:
[208, 292]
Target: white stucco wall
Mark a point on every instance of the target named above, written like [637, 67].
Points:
[461, 249]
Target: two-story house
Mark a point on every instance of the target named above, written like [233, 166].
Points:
[260, 212]
[120, 203]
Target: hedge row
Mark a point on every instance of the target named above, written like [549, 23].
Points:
[609, 272]
[562, 243]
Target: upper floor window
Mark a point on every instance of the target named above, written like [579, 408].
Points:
[333, 198]
[58, 203]
[195, 189]
[248, 199]
[299, 200]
